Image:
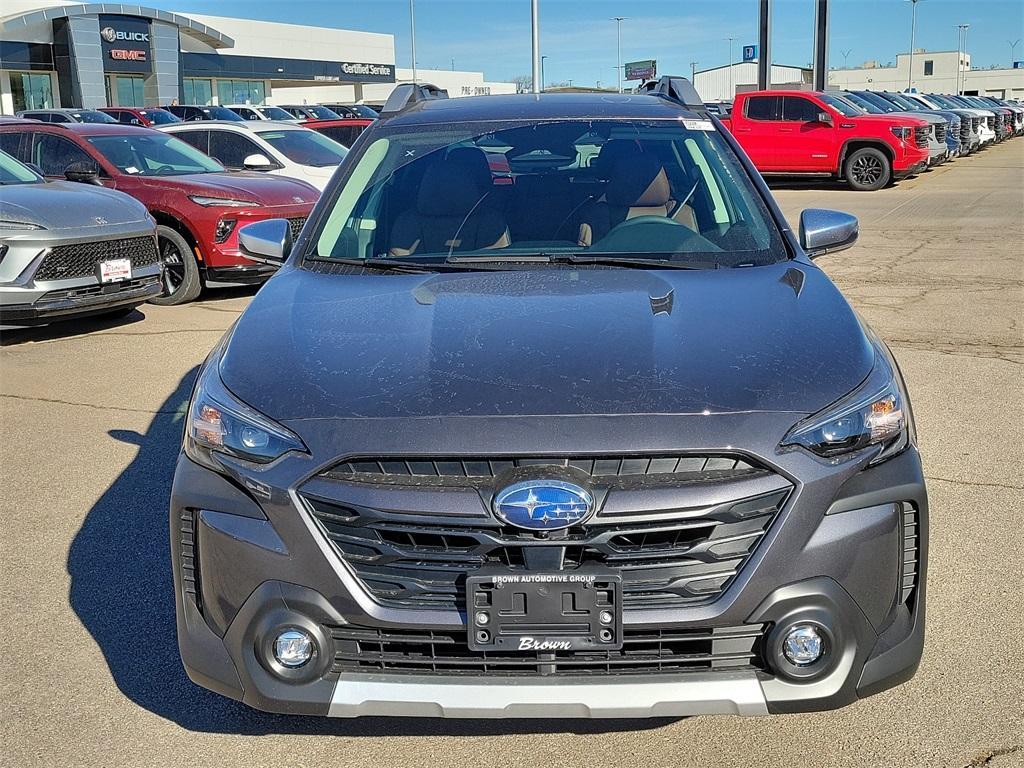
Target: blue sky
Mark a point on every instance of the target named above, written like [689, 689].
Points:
[579, 39]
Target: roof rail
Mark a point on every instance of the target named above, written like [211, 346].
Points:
[676, 88]
[407, 94]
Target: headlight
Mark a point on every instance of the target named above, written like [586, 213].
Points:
[902, 133]
[225, 202]
[220, 423]
[12, 226]
[876, 413]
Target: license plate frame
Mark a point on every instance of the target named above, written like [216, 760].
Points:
[114, 270]
[545, 612]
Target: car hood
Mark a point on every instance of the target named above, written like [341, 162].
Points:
[258, 187]
[898, 119]
[545, 342]
[58, 205]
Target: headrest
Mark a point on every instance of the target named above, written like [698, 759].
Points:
[453, 185]
[612, 151]
[638, 181]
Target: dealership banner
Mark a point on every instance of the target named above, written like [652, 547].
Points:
[641, 70]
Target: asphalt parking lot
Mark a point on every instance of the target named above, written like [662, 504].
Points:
[91, 415]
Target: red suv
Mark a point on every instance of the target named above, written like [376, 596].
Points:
[198, 206]
[344, 131]
[141, 116]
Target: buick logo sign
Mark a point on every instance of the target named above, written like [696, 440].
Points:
[543, 505]
[112, 35]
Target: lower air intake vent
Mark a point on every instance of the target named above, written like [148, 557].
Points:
[908, 566]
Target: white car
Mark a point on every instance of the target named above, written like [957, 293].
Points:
[261, 112]
[270, 146]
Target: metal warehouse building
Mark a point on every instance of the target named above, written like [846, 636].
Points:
[721, 83]
[63, 54]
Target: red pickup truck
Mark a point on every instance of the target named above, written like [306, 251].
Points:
[817, 133]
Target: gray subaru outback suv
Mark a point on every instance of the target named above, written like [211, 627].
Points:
[69, 249]
[562, 421]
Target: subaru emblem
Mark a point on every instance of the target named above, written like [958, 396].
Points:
[543, 505]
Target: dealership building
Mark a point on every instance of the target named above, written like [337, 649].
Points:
[63, 54]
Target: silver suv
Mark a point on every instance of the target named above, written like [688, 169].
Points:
[69, 249]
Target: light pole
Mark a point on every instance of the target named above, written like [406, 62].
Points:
[412, 27]
[732, 88]
[535, 23]
[961, 49]
[913, 31]
[543, 82]
[1013, 47]
[693, 72]
[618, 45]
[846, 57]
[963, 81]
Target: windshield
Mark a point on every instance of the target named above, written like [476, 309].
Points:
[322, 113]
[305, 147]
[865, 104]
[13, 172]
[92, 116]
[159, 116]
[905, 103]
[276, 113]
[364, 111]
[670, 190]
[879, 101]
[840, 105]
[153, 154]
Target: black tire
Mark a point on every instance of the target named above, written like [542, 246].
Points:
[867, 169]
[181, 280]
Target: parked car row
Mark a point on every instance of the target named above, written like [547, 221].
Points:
[154, 215]
[868, 138]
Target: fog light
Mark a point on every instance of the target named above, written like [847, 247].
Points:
[293, 648]
[803, 645]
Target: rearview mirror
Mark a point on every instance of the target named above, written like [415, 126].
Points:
[257, 162]
[823, 231]
[266, 242]
[825, 117]
[83, 171]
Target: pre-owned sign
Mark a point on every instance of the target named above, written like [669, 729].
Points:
[125, 41]
[641, 70]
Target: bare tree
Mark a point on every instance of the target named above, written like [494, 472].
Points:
[524, 83]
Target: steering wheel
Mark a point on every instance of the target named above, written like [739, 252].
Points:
[160, 170]
[653, 234]
[642, 221]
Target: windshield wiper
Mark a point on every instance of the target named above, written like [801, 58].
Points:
[385, 264]
[611, 260]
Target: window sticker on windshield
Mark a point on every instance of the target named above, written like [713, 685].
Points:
[131, 169]
[698, 125]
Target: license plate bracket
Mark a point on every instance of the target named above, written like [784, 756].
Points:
[114, 270]
[513, 611]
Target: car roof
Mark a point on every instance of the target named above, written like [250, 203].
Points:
[332, 122]
[90, 129]
[544, 106]
[247, 125]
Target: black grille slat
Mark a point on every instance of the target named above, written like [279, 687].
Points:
[909, 553]
[456, 471]
[64, 262]
[189, 552]
[417, 651]
[921, 136]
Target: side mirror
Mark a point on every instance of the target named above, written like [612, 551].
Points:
[266, 242]
[825, 117]
[257, 162]
[823, 231]
[84, 172]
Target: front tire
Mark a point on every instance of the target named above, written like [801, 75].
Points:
[181, 282]
[867, 169]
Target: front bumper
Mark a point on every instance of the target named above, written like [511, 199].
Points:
[243, 569]
[83, 301]
[912, 170]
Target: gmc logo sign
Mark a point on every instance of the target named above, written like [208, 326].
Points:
[119, 54]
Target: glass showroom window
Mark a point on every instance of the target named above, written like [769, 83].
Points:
[197, 91]
[130, 91]
[241, 91]
[31, 91]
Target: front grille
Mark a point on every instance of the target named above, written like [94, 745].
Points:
[940, 133]
[909, 560]
[79, 260]
[644, 651]
[666, 557]
[921, 136]
[472, 471]
[295, 225]
[189, 554]
[90, 291]
[975, 124]
[965, 130]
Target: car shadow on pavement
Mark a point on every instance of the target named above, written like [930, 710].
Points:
[122, 591]
[11, 335]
